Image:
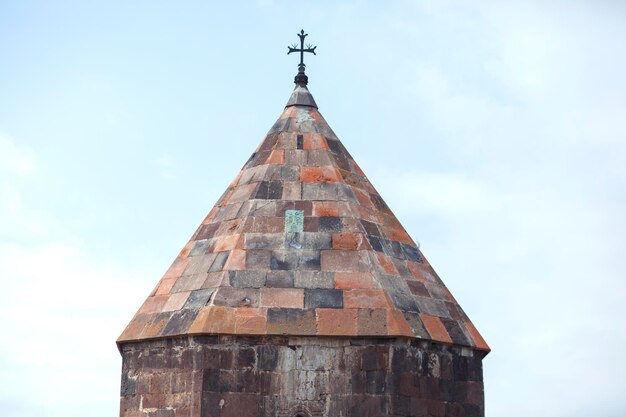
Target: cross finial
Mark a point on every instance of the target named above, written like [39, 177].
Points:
[301, 78]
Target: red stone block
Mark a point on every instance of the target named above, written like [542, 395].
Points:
[268, 225]
[318, 174]
[282, 297]
[397, 324]
[153, 304]
[386, 264]
[345, 261]
[154, 328]
[365, 298]
[165, 286]
[478, 339]
[314, 141]
[363, 198]
[250, 321]
[236, 260]
[372, 322]
[352, 280]
[177, 268]
[348, 241]
[214, 279]
[277, 156]
[416, 270]
[336, 322]
[292, 190]
[326, 208]
[435, 328]
[225, 243]
[214, 319]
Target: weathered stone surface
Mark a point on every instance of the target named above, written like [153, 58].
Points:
[307, 376]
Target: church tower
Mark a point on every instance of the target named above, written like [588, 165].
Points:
[301, 295]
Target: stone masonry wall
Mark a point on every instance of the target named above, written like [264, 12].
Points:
[227, 376]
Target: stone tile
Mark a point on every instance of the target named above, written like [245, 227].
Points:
[418, 288]
[308, 240]
[199, 248]
[435, 328]
[323, 298]
[176, 301]
[314, 279]
[263, 240]
[366, 298]
[330, 224]
[258, 259]
[189, 283]
[478, 340]
[252, 321]
[432, 307]
[236, 297]
[199, 298]
[219, 261]
[282, 297]
[318, 174]
[336, 322]
[199, 264]
[277, 156]
[236, 260]
[457, 331]
[348, 241]
[354, 280]
[345, 261]
[291, 321]
[247, 279]
[292, 190]
[272, 190]
[315, 142]
[280, 279]
[372, 322]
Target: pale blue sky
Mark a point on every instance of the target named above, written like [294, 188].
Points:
[496, 131]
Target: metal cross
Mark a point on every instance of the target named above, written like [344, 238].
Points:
[309, 48]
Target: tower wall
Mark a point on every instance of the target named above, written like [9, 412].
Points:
[238, 376]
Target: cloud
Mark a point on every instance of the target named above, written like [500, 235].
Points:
[61, 306]
[15, 160]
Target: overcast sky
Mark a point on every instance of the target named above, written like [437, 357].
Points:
[496, 131]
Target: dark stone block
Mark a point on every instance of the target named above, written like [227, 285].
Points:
[456, 332]
[279, 279]
[246, 357]
[247, 279]
[269, 190]
[411, 253]
[180, 320]
[268, 357]
[358, 382]
[291, 321]
[323, 298]
[375, 243]
[198, 299]
[211, 380]
[200, 247]
[376, 382]
[331, 224]
[128, 385]
[371, 229]
[219, 262]
[379, 203]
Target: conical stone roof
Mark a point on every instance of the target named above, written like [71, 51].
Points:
[302, 244]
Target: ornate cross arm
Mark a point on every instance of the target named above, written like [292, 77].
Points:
[294, 48]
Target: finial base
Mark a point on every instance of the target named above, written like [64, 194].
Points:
[301, 79]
